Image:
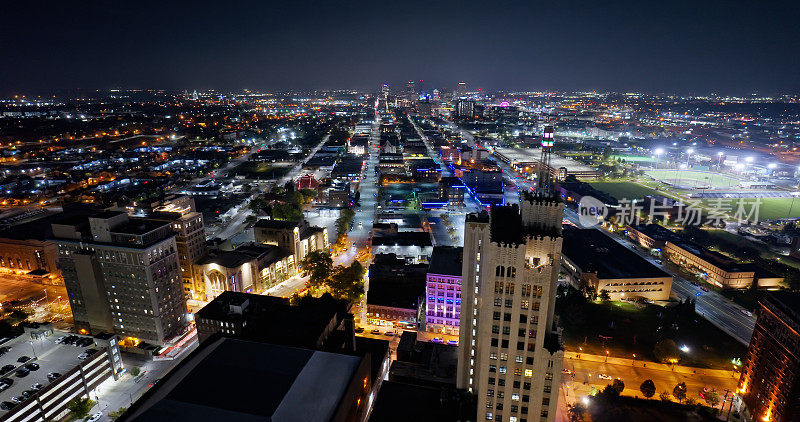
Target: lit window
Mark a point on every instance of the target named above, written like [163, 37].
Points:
[528, 372]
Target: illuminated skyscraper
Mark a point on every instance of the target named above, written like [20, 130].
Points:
[461, 89]
[411, 90]
[511, 352]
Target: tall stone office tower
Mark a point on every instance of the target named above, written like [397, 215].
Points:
[510, 352]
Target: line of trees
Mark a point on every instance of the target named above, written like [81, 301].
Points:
[578, 412]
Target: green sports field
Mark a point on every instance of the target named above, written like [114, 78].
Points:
[694, 178]
[634, 158]
[626, 190]
[769, 209]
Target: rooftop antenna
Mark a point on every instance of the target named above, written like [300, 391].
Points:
[544, 180]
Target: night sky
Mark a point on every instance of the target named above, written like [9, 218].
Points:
[698, 46]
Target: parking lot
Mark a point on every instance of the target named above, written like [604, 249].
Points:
[46, 353]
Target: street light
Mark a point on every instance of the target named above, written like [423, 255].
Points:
[658, 152]
[634, 360]
[606, 355]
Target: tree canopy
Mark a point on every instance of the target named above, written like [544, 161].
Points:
[667, 351]
[648, 388]
[317, 265]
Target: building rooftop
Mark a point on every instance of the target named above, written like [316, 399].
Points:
[446, 260]
[787, 302]
[397, 285]
[139, 226]
[533, 155]
[41, 228]
[421, 239]
[266, 254]
[657, 232]
[271, 382]
[50, 356]
[274, 320]
[721, 261]
[594, 252]
[398, 401]
[277, 224]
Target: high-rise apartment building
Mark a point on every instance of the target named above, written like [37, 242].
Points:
[190, 237]
[770, 379]
[510, 352]
[122, 275]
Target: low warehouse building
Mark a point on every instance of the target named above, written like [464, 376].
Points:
[594, 261]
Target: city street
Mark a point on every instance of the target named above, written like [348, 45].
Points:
[237, 224]
[113, 395]
[289, 287]
[587, 369]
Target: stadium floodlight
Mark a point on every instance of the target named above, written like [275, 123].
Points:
[659, 151]
[772, 165]
[690, 150]
[749, 159]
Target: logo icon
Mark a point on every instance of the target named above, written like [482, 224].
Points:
[591, 211]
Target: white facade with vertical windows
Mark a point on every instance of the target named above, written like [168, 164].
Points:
[511, 353]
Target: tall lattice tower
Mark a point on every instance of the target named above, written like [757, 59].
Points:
[544, 178]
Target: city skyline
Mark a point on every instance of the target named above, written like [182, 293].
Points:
[358, 211]
[674, 48]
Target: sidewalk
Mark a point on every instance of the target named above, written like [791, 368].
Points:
[650, 365]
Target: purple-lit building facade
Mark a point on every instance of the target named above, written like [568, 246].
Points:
[443, 290]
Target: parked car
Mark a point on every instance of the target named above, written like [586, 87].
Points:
[7, 368]
[96, 417]
[37, 386]
[390, 333]
[375, 331]
[22, 373]
[32, 366]
[7, 381]
[18, 399]
[359, 329]
[83, 356]
[604, 376]
[53, 376]
[23, 359]
[7, 405]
